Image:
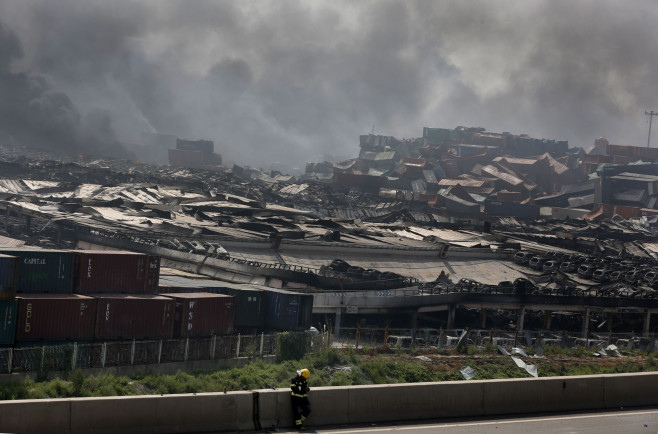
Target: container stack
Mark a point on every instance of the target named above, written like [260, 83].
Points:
[80, 295]
[257, 308]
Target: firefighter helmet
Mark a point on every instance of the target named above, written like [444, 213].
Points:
[305, 373]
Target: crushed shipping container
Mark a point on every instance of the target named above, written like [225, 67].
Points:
[202, 314]
[55, 317]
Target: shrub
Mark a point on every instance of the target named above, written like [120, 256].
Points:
[291, 346]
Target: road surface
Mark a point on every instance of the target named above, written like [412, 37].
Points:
[612, 422]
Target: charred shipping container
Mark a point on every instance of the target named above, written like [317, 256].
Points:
[42, 270]
[202, 314]
[145, 316]
[55, 317]
[101, 271]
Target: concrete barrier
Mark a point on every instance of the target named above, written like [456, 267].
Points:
[630, 390]
[204, 412]
[547, 394]
[262, 409]
[35, 416]
[382, 403]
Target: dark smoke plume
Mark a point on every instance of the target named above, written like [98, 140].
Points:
[291, 80]
[33, 113]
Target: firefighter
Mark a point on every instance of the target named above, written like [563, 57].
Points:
[301, 407]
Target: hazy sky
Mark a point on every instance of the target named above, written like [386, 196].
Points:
[291, 80]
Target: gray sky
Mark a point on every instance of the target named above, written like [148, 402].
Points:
[291, 80]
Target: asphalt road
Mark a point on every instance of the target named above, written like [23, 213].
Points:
[625, 421]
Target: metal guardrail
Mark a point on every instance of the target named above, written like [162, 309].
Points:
[65, 357]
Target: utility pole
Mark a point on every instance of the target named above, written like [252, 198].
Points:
[651, 114]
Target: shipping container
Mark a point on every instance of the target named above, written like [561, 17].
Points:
[305, 311]
[8, 311]
[202, 314]
[42, 270]
[55, 317]
[206, 146]
[281, 309]
[104, 271]
[145, 316]
[249, 307]
[8, 276]
[152, 274]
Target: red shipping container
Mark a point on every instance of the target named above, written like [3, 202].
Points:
[100, 271]
[120, 316]
[202, 314]
[152, 274]
[55, 317]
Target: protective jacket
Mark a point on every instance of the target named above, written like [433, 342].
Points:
[299, 387]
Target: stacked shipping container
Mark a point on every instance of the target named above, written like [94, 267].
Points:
[43, 270]
[114, 299]
[99, 271]
[55, 317]
[121, 316]
[202, 314]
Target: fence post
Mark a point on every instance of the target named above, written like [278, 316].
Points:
[262, 338]
[132, 353]
[74, 358]
[103, 354]
[10, 361]
[237, 347]
[187, 348]
[160, 351]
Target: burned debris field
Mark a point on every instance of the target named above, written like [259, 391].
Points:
[459, 228]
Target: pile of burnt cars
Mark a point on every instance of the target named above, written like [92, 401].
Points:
[603, 269]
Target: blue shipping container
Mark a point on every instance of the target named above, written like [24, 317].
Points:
[282, 310]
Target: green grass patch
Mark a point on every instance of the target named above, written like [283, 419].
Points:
[329, 367]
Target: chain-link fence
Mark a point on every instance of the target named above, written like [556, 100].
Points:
[450, 339]
[65, 357]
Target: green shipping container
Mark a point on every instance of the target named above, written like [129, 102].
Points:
[8, 310]
[249, 307]
[43, 270]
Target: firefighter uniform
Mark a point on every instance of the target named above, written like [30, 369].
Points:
[301, 407]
